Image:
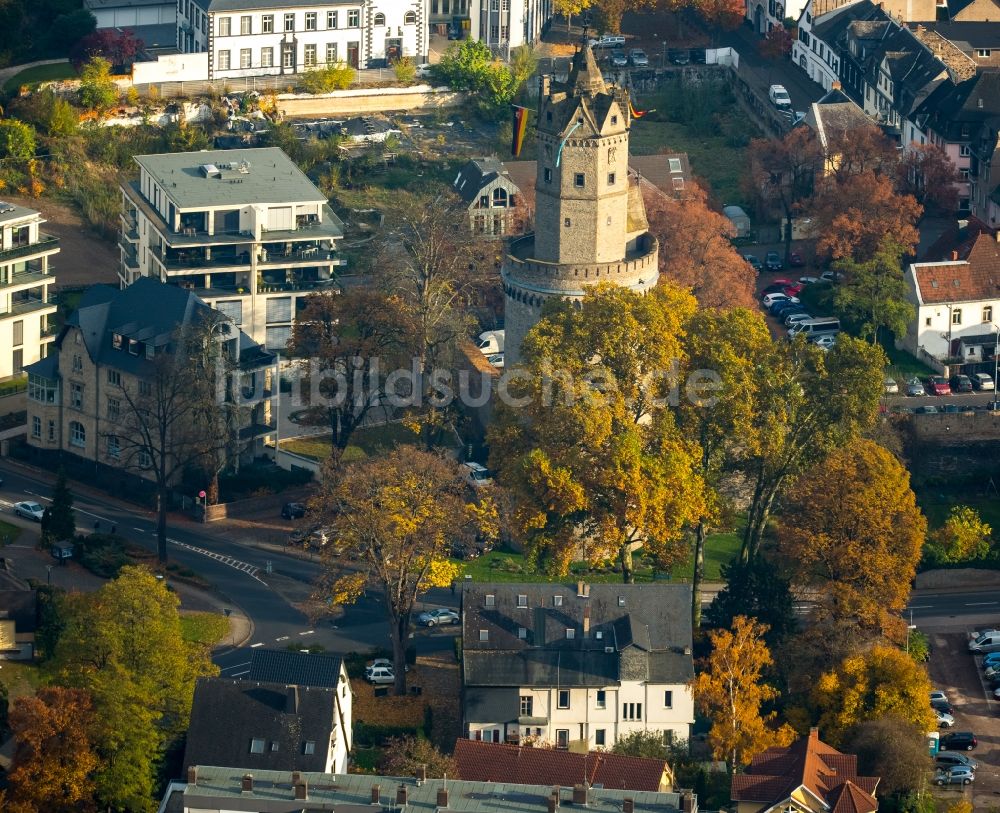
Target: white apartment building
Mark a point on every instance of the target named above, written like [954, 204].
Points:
[576, 666]
[268, 38]
[245, 230]
[506, 24]
[162, 25]
[27, 308]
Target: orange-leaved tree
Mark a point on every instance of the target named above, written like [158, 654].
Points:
[732, 693]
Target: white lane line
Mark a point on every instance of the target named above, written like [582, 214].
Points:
[980, 603]
[282, 638]
[236, 666]
[307, 632]
[254, 646]
[78, 510]
[238, 674]
[140, 530]
[243, 567]
[921, 607]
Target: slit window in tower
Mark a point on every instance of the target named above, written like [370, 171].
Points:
[578, 179]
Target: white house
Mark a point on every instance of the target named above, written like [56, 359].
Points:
[261, 38]
[503, 24]
[957, 304]
[244, 229]
[27, 310]
[814, 51]
[576, 666]
[163, 25]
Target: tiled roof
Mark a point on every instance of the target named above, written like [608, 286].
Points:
[972, 279]
[487, 762]
[965, 35]
[811, 764]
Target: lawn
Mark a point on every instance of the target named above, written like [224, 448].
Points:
[503, 566]
[364, 442]
[936, 503]
[40, 73]
[8, 532]
[20, 678]
[206, 629]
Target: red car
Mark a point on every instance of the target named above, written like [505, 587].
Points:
[793, 290]
[795, 260]
[938, 385]
[782, 282]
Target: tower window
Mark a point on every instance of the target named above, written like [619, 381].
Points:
[547, 175]
[548, 115]
[614, 119]
[578, 179]
[611, 179]
[566, 222]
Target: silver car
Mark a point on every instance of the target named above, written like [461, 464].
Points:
[432, 618]
[915, 388]
[891, 387]
[944, 720]
[955, 775]
[638, 58]
[29, 510]
[619, 59]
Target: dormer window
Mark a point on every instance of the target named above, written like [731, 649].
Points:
[598, 635]
[116, 341]
[491, 600]
[557, 601]
[570, 633]
[522, 633]
[621, 601]
[484, 635]
[522, 600]
[133, 347]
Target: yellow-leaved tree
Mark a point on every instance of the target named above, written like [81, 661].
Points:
[591, 454]
[963, 537]
[880, 682]
[731, 692]
[392, 522]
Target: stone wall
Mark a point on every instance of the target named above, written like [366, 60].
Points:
[369, 100]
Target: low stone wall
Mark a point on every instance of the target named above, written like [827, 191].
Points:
[368, 100]
[240, 508]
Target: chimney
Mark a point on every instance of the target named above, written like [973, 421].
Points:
[246, 784]
[580, 795]
[376, 794]
[291, 700]
[193, 775]
[302, 790]
[954, 255]
[401, 795]
[586, 620]
[553, 803]
[835, 85]
[582, 589]
[556, 790]
[688, 801]
[628, 805]
[296, 777]
[421, 775]
[442, 800]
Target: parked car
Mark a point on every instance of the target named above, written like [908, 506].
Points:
[61, 551]
[680, 57]
[638, 58]
[380, 663]
[890, 385]
[809, 280]
[773, 288]
[959, 741]
[314, 536]
[770, 299]
[955, 775]
[991, 659]
[797, 317]
[795, 260]
[496, 359]
[293, 510]
[608, 41]
[937, 694]
[942, 705]
[381, 675]
[442, 615]
[960, 383]
[619, 59]
[477, 475]
[915, 388]
[938, 385]
[944, 719]
[949, 759]
[754, 262]
[29, 510]
[926, 410]
[982, 382]
[794, 290]
[698, 56]
[831, 276]
[772, 261]
[779, 96]
[826, 342]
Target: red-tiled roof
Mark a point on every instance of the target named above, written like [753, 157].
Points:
[810, 763]
[494, 762]
[974, 278]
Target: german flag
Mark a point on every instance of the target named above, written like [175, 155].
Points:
[520, 127]
[636, 114]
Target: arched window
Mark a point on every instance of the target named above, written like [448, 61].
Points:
[77, 434]
[500, 198]
[380, 19]
[410, 18]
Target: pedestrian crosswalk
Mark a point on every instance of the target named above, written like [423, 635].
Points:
[245, 567]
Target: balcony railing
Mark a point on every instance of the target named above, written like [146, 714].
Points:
[48, 330]
[25, 278]
[33, 303]
[298, 285]
[46, 242]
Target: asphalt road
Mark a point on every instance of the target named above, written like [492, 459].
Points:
[965, 610]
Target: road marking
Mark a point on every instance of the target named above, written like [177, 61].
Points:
[78, 510]
[921, 607]
[243, 567]
[140, 530]
[236, 666]
[282, 638]
[980, 603]
[254, 646]
[238, 674]
[307, 632]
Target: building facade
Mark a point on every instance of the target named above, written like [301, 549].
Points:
[984, 176]
[250, 38]
[163, 26]
[506, 24]
[243, 229]
[576, 667]
[79, 394]
[27, 309]
[590, 222]
[491, 198]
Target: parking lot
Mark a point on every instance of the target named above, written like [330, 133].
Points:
[954, 671]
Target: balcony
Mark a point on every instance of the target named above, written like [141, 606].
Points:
[29, 304]
[46, 242]
[31, 276]
[256, 430]
[174, 260]
[47, 331]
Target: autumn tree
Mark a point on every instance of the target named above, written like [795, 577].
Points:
[731, 691]
[756, 589]
[611, 12]
[54, 751]
[17, 140]
[860, 149]
[585, 444]
[879, 682]
[348, 345]
[395, 520]
[963, 537]
[874, 293]
[851, 528]
[403, 756]
[695, 249]
[567, 8]
[123, 646]
[782, 173]
[808, 403]
[725, 15]
[98, 90]
[856, 216]
[893, 749]
[774, 46]
[648, 744]
[930, 176]
[730, 344]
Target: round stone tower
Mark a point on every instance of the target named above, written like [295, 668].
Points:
[590, 222]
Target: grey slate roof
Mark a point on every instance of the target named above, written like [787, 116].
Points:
[220, 788]
[21, 607]
[952, 108]
[228, 714]
[642, 628]
[478, 173]
[272, 178]
[298, 668]
[965, 35]
[835, 113]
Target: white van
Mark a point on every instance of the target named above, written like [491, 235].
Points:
[812, 328]
[490, 342]
[986, 643]
[608, 41]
